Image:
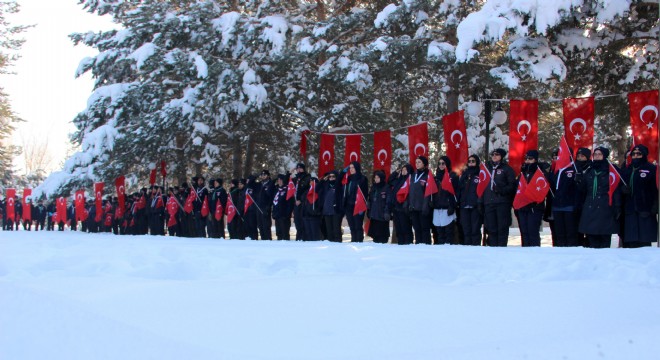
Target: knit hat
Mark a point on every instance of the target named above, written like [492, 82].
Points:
[499, 151]
[604, 150]
[641, 148]
[301, 166]
[533, 154]
[584, 151]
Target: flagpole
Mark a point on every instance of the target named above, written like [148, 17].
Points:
[255, 203]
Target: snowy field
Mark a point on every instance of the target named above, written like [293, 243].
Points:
[68, 295]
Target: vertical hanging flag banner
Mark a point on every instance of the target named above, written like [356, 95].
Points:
[579, 122]
[27, 207]
[120, 187]
[61, 209]
[163, 169]
[10, 204]
[456, 140]
[644, 120]
[152, 177]
[98, 198]
[303, 144]
[352, 152]
[80, 205]
[418, 141]
[326, 154]
[523, 133]
[383, 151]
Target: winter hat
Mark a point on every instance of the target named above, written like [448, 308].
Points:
[584, 151]
[533, 154]
[283, 177]
[265, 172]
[300, 166]
[641, 148]
[604, 150]
[499, 151]
[220, 181]
[211, 182]
[424, 159]
[234, 182]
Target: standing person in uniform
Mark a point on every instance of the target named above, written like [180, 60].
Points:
[640, 200]
[582, 165]
[498, 198]
[282, 208]
[265, 201]
[355, 180]
[471, 218]
[219, 195]
[301, 181]
[39, 214]
[531, 215]
[253, 211]
[444, 203]
[236, 226]
[599, 219]
[398, 206]
[565, 206]
[312, 208]
[419, 206]
[379, 213]
[331, 199]
[198, 220]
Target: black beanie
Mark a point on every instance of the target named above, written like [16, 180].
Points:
[301, 165]
[500, 151]
[604, 150]
[584, 151]
[534, 154]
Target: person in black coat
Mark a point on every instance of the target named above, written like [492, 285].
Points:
[312, 208]
[640, 199]
[202, 192]
[264, 199]
[444, 203]
[39, 214]
[566, 203]
[378, 211]
[301, 181]
[531, 215]
[498, 198]
[331, 192]
[397, 205]
[355, 180]
[599, 219]
[419, 205]
[237, 194]
[470, 218]
[219, 194]
[282, 208]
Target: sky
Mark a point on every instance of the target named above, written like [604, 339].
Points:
[44, 91]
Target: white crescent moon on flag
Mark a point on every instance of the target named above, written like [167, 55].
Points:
[98, 195]
[10, 201]
[526, 123]
[612, 178]
[648, 108]
[405, 184]
[545, 183]
[454, 133]
[417, 146]
[485, 176]
[350, 156]
[121, 189]
[578, 121]
[79, 197]
[324, 153]
[384, 152]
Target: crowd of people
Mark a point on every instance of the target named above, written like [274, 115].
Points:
[581, 208]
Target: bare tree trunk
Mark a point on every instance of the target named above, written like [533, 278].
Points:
[180, 163]
[236, 157]
[249, 156]
[452, 95]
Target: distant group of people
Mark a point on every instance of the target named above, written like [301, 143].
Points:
[578, 207]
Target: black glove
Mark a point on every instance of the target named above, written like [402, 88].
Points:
[480, 209]
[579, 177]
[451, 210]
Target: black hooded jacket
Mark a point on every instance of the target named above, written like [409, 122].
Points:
[350, 189]
[468, 183]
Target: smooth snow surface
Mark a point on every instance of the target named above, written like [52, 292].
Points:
[68, 295]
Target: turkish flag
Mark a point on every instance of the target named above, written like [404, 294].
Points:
[163, 169]
[188, 206]
[159, 201]
[108, 219]
[172, 209]
[80, 205]
[564, 158]
[98, 198]
[615, 179]
[579, 122]
[219, 210]
[418, 141]
[537, 188]
[360, 202]
[402, 193]
[484, 179]
[383, 152]
[312, 194]
[446, 183]
[431, 186]
[231, 210]
[121, 194]
[61, 209]
[456, 140]
[205, 207]
[644, 120]
[152, 177]
[352, 152]
[303, 144]
[142, 203]
[290, 189]
[521, 200]
[11, 206]
[326, 154]
[248, 202]
[27, 207]
[523, 133]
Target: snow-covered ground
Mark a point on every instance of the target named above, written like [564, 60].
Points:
[68, 295]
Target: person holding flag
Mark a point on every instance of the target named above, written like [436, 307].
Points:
[498, 198]
[235, 224]
[399, 183]
[331, 192]
[312, 212]
[640, 199]
[445, 201]
[301, 182]
[419, 203]
[282, 207]
[217, 205]
[531, 215]
[201, 192]
[379, 213]
[602, 205]
[566, 200]
[470, 216]
[352, 197]
[250, 208]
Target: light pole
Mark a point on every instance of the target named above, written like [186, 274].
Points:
[474, 109]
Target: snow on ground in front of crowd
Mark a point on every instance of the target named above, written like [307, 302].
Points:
[69, 295]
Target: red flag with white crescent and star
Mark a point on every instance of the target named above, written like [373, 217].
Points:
[360, 202]
[326, 153]
[644, 120]
[520, 199]
[60, 208]
[537, 188]
[27, 207]
[431, 187]
[163, 169]
[404, 190]
[579, 122]
[152, 177]
[614, 181]
[80, 205]
[418, 141]
[11, 205]
[219, 210]
[98, 200]
[563, 157]
[120, 187]
[303, 144]
[484, 179]
[205, 207]
[352, 151]
[383, 152]
[188, 206]
[290, 189]
[172, 209]
[231, 210]
[456, 140]
[312, 194]
[446, 183]
[248, 201]
[523, 133]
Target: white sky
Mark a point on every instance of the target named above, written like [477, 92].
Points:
[44, 91]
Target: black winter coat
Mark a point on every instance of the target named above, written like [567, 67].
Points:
[266, 194]
[416, 200]
[503, 183]
[443, 199]
[395, 182]
[325, 189]
[598, 217]
[377, 203]
[468, 183]
[282, 208]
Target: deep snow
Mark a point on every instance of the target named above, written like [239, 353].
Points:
[68, 295]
